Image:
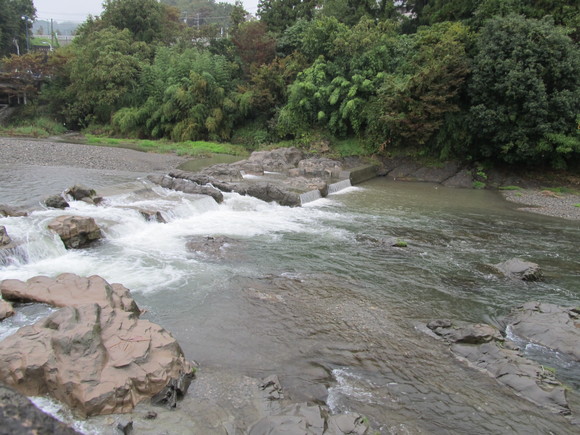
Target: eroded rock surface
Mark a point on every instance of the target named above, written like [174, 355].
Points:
[549, 325]
[186, 186]
[483, 347]
[68, 289]
[96, 360]
[76, 231]
[56, 201]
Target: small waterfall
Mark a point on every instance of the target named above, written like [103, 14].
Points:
[310, 196]
[338, 186]
[13, 255]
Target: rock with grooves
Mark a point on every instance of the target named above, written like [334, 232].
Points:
[68, 289]
[520, 269]
[76, 231]
[19, 416]
[186, 186]
[549, 325]
[56, 201]
[80, 193]
[96, 360]
[483, 348]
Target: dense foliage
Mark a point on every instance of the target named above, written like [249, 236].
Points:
[13, 26]
[485, 80]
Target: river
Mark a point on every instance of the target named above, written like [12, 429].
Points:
[313, 295]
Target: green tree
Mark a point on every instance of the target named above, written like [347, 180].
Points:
[525, 92]
[12, 26]
[148, 20]
[280, 14]
[413, 103]
[103, 75]
[184, 95]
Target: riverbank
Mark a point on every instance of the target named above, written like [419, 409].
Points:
[546, 202]
[53, 153]
[44, 152]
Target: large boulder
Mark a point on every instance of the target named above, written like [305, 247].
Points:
[96, 360]
[6, 309]
[68, 289]
[19, 416]
[519, 269]
[548, 325]
[76, 231]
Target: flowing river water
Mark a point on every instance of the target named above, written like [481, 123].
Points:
[315, 295]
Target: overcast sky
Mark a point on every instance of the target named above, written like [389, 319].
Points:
[78, 10]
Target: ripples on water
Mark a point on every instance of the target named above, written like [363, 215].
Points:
[316, 295]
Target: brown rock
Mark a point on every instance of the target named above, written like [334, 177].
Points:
[96, 360]
[6, 310]
[76, 231]
[69, 290]
[5, 239]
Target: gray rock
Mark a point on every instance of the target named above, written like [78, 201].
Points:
[465, 332]
[152, 216]
[319, 167]
[76, 231]
[19, 416]
[520, 269]
[79, 192]
[437, 175]
[6, 210]
[56, 201]
[5, 239]
[549, 325]
[271, 192]
[186, 186]
[483, 347]
[463, 179]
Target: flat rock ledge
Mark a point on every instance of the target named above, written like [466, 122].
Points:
[96, 357]
[483, 347]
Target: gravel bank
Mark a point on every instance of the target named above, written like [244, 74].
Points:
[47, 153]
[546, 202]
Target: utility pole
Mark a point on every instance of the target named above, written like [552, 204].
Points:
[197, 20]
[51, 32]
[27, 19]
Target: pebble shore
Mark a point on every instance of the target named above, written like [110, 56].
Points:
[52, 153]
[546, 202]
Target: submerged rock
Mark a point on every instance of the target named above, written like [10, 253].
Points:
[69, 290]
[19, 416]
[209, 246]
[520, 269]
[76, 231]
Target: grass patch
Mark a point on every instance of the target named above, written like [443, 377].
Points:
[577, 205]
[563, 190]
[400, 244]
[509, 188]
[189, 148]
[38, 127]
[478, 185]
